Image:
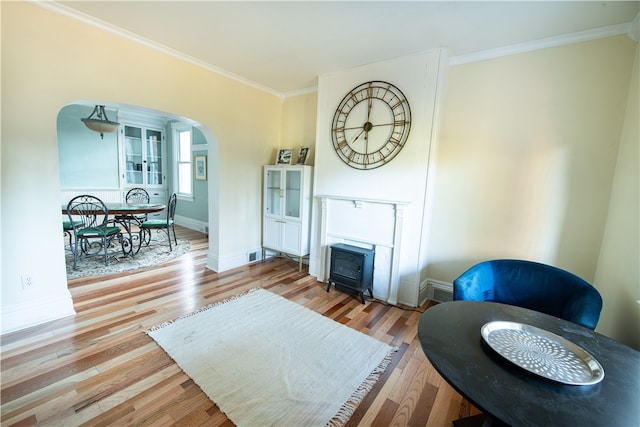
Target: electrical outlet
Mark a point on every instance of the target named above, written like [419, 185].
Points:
[27, 282]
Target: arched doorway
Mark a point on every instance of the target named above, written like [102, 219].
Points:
[91, 163]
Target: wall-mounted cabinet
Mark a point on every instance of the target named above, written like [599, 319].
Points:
[287, 207]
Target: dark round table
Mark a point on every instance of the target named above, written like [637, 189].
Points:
[450, 337]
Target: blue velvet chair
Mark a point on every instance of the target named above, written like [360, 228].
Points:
[532, 285]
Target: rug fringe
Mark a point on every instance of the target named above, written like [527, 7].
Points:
[200, 310]
[349, 407]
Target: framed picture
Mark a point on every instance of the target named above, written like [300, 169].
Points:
[303, 154]
[284, 156]
[200, 168]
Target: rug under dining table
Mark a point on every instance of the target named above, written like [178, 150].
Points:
[156, 253]
[265, 360]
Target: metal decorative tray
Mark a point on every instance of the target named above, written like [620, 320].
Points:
[542, 353]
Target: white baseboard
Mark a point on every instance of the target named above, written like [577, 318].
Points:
[35, 312]
[192, 224]
[230, 261]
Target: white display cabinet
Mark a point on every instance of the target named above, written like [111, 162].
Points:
[287, 208]
[143, 162]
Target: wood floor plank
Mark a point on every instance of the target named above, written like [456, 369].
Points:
[99, 368]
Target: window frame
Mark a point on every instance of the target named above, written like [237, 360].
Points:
[177, 129]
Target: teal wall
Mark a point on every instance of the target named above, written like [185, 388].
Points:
[200, 207]
[85, 160]
[197, 209]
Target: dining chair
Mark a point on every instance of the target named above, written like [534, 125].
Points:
[531, 285]
[67, 230]
[92, 234]
[136, 195]
[165, 225]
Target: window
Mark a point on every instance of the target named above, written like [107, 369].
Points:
[184, 182]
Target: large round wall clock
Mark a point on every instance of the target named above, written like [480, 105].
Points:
[371, 125]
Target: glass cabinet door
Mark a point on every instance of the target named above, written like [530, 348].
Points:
[154, 157]
[293, 193]
[133, 155]
[272, 193]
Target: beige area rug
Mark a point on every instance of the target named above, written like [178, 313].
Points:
[155, 254]
[267, 361]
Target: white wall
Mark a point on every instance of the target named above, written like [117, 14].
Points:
[403, 179]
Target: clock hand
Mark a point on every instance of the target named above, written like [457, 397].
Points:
[358, 136]
[365, 128]
[366, 140]
[382, 124]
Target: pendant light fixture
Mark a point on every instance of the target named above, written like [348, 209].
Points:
[101, 122]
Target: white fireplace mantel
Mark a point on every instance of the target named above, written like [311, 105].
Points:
[370, 223]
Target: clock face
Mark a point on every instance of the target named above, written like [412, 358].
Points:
[371, 125]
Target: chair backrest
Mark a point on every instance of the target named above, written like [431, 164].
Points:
[87, 211]
[532, 285]
[137, 195]
[171, 208]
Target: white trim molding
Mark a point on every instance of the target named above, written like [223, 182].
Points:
[192, 224]
[565, 39]
[36, 311]
[233, 260]
[385, 237]
[90, 20]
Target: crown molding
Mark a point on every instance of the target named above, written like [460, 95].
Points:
[630, 29]
[90, 20]
[565, 39]
[304, 91]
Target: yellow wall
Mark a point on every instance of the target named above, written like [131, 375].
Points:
[526, 154]
[618, 273]
[299, 115]
[526, 159]
[48, 61]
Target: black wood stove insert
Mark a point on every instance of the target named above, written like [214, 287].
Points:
[351, 269]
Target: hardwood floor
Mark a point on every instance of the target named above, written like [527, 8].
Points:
[100, 368]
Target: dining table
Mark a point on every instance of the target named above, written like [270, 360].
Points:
[125, 215]
[521, 367]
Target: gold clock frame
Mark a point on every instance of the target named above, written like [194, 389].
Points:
[351, 136]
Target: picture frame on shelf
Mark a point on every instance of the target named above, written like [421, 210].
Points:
[284, 156]
[200, 168]
[303, 155]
